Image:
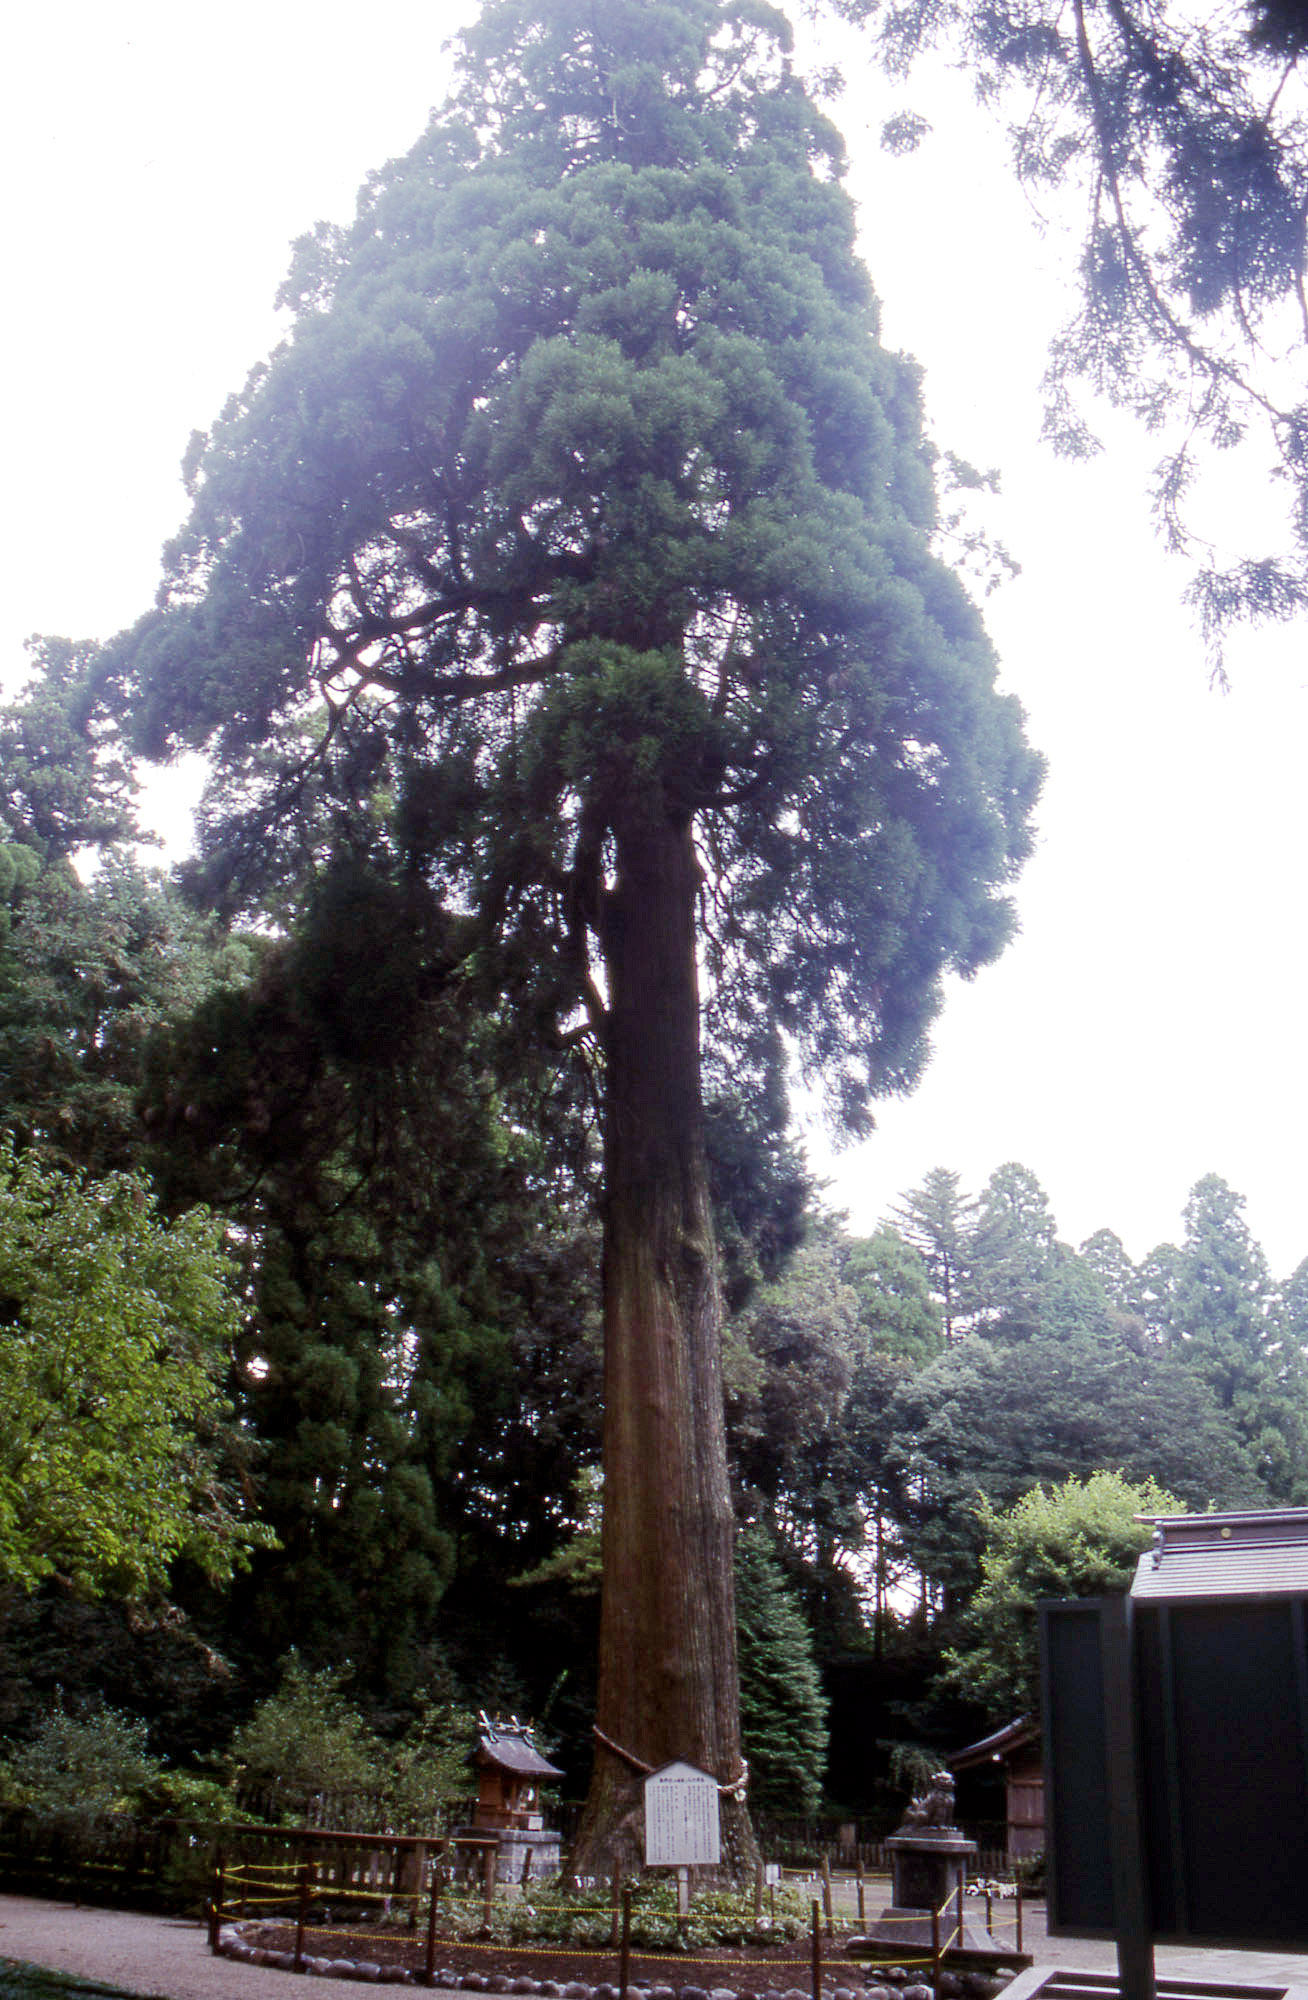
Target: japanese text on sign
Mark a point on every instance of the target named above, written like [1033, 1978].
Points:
[681, 1818]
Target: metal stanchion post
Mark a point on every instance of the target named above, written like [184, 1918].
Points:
[624, 1957]
[301, 1917]
[1019, 1912]
[429, 1963]
[990, 1912]
[826, 1890]
[488, 1886]
[960, 1908]
[862, 1889]
[935, 1949]
[817, 1951]
[216, 1906]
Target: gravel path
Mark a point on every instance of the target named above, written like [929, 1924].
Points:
[168, 1957]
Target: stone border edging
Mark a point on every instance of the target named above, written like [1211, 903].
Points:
[895, 1984]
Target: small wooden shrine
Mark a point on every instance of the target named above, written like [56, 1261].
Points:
[510, 1771]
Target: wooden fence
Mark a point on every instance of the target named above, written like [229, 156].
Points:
[169, 1865]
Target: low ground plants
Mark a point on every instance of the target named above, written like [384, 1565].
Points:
[33, 1982]
[549, 1914]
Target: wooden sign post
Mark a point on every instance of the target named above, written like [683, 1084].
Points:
[681, 1824]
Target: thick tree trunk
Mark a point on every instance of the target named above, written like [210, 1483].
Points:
[667, 1668]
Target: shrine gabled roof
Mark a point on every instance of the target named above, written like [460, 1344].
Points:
[514, 1753]
[1013, 1736]
[1251, 1554]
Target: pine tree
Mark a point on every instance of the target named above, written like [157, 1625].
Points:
[1223, 1318]
[575, 548]
[782, 1707]
[938, 1219]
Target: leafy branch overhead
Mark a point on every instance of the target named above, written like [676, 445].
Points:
[1176, 139]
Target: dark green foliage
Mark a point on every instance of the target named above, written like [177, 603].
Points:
[36, 1982]
[812, 1367]
[583, 471]
[154, 1663]
[1214, 1305]
[993, 1420]
[66, 782]
[580, 501]
[88, 971]
[937, 1219]
[782, 1709]
[417, 1364]
[564, 586]
[890, 1280]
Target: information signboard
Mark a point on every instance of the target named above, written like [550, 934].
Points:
[681, 1818]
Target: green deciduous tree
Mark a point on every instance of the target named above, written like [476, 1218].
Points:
[1074, 1540]
[115, 1328]
[305, 1738]
[576, 546]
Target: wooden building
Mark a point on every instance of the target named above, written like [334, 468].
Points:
[1017, 1753]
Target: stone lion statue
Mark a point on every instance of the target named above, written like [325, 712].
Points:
[934, 1807]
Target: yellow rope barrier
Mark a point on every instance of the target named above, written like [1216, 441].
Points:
[648, 1955]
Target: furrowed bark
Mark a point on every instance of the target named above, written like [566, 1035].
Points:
[667, 1667]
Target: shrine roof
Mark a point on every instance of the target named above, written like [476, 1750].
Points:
[513, 1753]
[1013, 1736]
[1250, 1554]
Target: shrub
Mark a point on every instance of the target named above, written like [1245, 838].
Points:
[82, 1766]
[307, 1737]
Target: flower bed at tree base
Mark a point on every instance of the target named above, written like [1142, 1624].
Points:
[590, 1972]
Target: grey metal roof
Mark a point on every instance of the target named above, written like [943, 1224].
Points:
[1224, 1555]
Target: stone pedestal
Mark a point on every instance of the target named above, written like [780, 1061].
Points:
[928, 1866]
[514, 1843]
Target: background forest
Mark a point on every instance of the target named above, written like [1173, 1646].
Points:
[488, 581]
[378, 1439]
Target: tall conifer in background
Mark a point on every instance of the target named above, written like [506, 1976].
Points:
[572, 556]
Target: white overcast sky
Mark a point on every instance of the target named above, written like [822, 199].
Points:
[1148, 1025]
